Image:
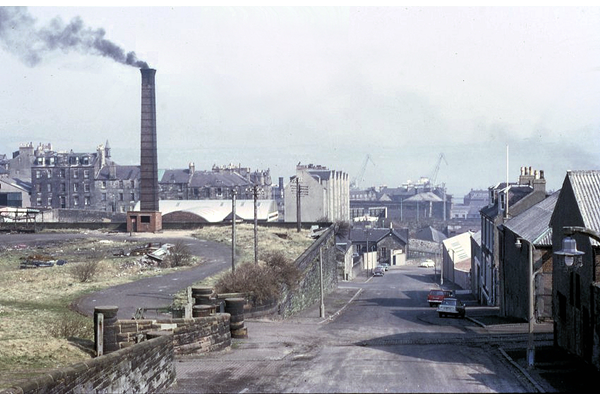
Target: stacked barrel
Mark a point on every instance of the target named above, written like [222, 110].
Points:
[207, 302]
[204, 302]
[235, 307]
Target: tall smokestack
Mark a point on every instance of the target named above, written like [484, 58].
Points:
[148, 159]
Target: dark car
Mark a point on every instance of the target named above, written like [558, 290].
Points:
[436, 296]
[378, 271]
[451, 306]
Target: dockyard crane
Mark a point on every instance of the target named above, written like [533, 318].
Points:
[356, 182]
[437, 168]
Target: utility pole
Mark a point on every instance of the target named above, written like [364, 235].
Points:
[233, 218]
[256, 190]
[299, 191]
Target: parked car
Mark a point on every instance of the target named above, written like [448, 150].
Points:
[436, 296]
[427, 264]
[385, 266]
[451, 306]
[378, 271]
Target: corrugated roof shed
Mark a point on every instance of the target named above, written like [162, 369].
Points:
[586, 187]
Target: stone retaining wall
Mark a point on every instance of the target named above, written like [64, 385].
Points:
[145, 368]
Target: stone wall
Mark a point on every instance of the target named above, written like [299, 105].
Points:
[308, 291]
[139, 356]
[145, 368]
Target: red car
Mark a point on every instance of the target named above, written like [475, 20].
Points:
[436, 296]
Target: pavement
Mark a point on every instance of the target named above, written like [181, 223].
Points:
[555, 371]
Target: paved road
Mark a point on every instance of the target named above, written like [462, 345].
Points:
[386, 340]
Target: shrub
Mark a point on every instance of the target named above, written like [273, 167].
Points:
[87, 269]
[179, 255]
[70, 326]
[264, 282]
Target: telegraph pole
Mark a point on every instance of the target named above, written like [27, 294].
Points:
[233, 218]
[300, 191]
[256, 190]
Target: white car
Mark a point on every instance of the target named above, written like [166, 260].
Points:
[427, 264]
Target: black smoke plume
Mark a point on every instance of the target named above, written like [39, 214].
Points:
[19, 36]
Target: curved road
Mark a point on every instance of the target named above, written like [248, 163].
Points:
[151, 292]
[157, 291]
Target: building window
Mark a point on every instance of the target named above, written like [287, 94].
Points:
[76, 187]
[86, 173]
[39, 201]
[49, 187]
[75, 173]
[49, 204]
[61, 173]
[103, 184]
[86, 187]
[38, 174]
[86, 201]
[103, 196]
[75, 200]
[62, 187]
[145, 219]
[132, 196]
[120, 196]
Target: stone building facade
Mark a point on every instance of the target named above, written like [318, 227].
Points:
[324, 195]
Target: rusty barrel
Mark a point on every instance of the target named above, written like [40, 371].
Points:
[235, 307]
[203, 295]
[203, 310]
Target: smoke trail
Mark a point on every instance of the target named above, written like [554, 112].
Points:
[19, 36]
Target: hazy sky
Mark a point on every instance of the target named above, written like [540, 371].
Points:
[271, 87]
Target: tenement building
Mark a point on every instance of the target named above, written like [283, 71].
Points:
[84, 181]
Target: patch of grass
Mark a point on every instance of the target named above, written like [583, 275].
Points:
[34, 303]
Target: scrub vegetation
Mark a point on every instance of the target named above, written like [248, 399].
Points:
[38, 330]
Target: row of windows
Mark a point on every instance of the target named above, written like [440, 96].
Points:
[62, 173]
[74, 160]
[86, 200]
[62, 187]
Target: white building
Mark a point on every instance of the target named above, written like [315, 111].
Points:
[324, 195]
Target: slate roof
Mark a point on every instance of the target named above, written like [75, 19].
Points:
[424, 196]
[515, 194]
[123, 172]
[377, 234]
[533, 223]
[430, 234]
[216, 179]
[173, 175]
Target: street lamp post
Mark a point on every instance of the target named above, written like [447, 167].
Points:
[531, 296]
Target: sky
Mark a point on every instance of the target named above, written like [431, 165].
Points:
[490, 88]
